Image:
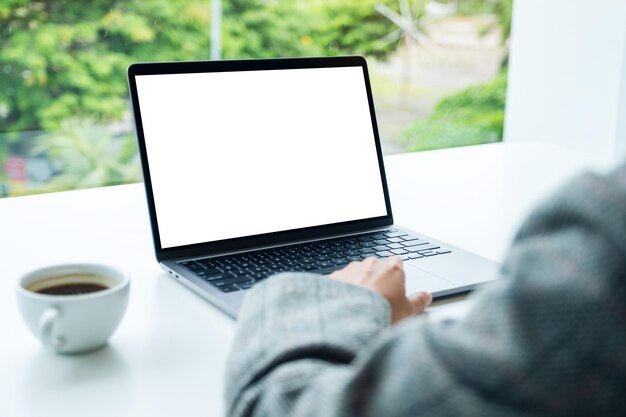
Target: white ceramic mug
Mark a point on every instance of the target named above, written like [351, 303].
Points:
[77, 322]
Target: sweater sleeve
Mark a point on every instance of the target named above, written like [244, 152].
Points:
[545, 339]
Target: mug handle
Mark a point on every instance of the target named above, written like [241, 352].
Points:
[45, 328]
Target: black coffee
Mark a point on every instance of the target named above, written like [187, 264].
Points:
[72, 289]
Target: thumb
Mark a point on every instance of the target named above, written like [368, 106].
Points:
[419, 301]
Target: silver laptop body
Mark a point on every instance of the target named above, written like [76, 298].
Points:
[255, 156]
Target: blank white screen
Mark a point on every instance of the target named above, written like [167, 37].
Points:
[235, 154]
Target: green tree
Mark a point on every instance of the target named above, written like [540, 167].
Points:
[262, 29]
[472, 116]
[91, 155]
[62, 58]
[353, 27]
[501, 9]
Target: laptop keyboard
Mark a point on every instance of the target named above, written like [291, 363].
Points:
[241, 271]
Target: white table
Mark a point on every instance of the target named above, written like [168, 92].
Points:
[167, 357]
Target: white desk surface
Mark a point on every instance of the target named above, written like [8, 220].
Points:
[167, 357]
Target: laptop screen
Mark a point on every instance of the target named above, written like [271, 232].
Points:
[242, 153]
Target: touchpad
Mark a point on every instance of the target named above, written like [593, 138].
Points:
[419, 280]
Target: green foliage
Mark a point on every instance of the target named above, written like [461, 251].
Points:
[90, 155]
[473, 116]
[502, 9]
[352, 27]
[63, 61]
[262, 29]
[476, 114]
[62, 58]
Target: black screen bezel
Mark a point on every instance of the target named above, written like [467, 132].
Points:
[249, 242]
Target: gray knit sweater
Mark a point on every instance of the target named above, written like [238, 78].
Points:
[548, 338]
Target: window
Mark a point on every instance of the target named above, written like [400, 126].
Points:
[438, 72]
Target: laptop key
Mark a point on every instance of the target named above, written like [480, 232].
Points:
[395, 234]
[227, 281]
[442, 252]
[408, 244]
[415, 245]
[415, 256]
[310, 267]
[398, 251]
[384, 254]
[212, 271]
[228, 288]
[228, 268]
[206, 263]
[194, 266]
[240, 273]
[428, 253]
[342, 255]
[422, 248]
[216, 277]
[325, 271]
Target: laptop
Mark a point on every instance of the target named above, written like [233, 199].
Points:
[255, 167]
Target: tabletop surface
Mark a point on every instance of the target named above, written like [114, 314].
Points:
[167, 357]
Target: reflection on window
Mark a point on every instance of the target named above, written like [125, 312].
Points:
[438, 72]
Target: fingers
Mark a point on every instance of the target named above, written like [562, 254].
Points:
[388, 268]
[369, 267]
[385, 277]
[353, 270]
[394, 262]
[420, 301]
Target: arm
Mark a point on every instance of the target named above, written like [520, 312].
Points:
[547, 338]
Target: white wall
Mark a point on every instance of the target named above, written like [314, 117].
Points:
[567, 75]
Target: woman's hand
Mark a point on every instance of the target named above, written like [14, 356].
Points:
[386, 277]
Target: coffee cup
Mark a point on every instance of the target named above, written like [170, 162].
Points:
[75, 307]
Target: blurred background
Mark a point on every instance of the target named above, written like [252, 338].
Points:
[438, 71]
